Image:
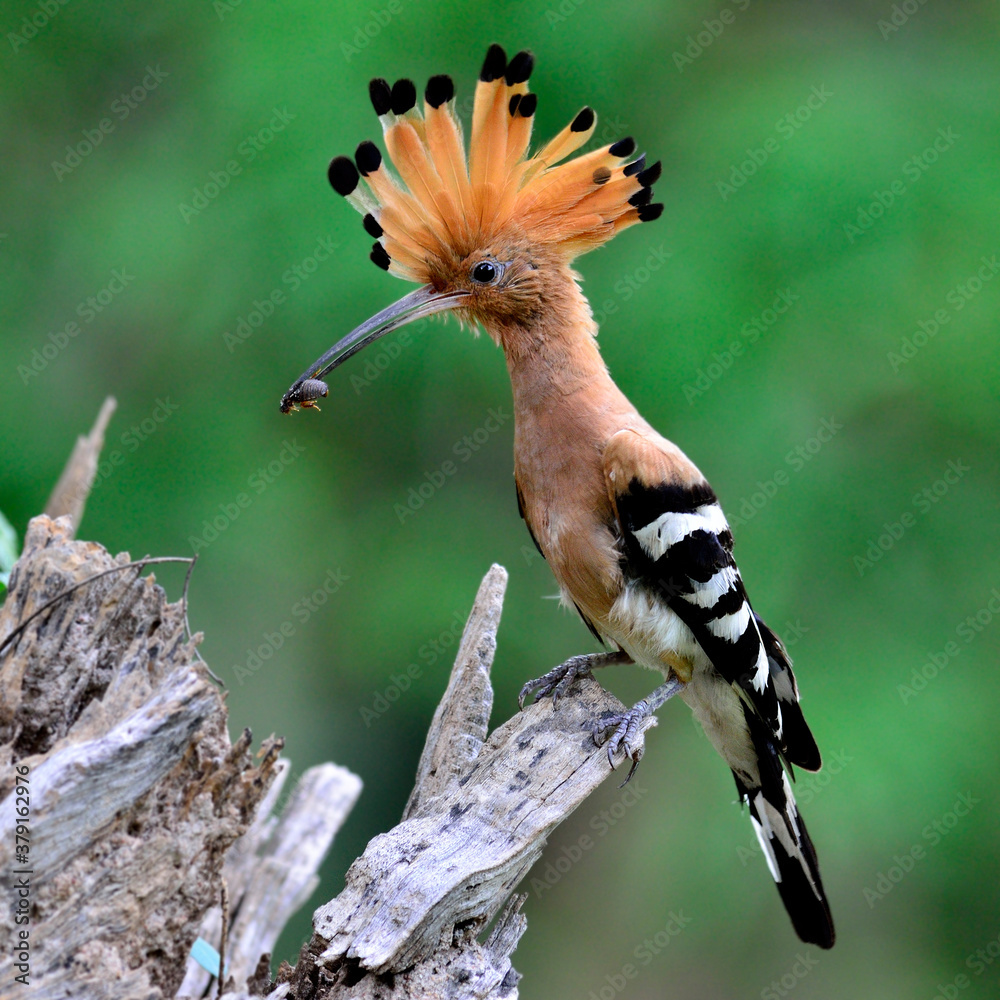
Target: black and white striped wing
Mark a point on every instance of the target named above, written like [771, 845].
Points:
[677, 545]
[678, 549]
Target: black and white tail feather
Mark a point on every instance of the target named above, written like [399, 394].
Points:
[677, 551]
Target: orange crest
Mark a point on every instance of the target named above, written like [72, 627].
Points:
[442, 207]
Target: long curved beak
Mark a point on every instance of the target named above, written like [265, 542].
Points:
[424, 301]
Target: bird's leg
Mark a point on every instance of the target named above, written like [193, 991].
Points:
[558, 680]
[623, 729]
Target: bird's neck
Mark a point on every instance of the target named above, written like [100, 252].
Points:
[552, 356]
[566, 407]
[566, 410]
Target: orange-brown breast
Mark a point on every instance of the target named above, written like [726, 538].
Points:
[567, 410]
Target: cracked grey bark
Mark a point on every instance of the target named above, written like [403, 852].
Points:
[271, 871]
[136, 792]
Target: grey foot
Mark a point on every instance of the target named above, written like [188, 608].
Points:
[620, 732]
[559, 679]
[624, 731]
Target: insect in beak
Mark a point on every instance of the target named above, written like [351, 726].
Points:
[424, 301]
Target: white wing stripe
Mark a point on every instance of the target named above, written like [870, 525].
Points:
[760, 678]
[707, 595]
[669, 528]
[731, 627]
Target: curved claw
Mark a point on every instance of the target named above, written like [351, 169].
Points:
[540, 686]
[525, 691]
[556, 682]
[621, 730]
[636, 757]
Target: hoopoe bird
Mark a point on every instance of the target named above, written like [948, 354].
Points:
[628, 524]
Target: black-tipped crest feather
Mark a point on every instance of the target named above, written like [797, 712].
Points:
[381, 95]
[404, 96]
[368, 157]
[583, 120]
[380, 257]
[495, 64]
[440, 90]
[343, 175]
[519, 68]
[439, 195]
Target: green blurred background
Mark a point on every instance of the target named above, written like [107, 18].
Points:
[845, 214]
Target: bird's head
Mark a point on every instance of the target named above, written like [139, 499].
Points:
[491, 238]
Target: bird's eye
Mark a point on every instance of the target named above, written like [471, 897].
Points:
[485, 272]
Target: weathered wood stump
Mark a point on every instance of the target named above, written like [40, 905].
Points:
[135, 791]
[144, 827]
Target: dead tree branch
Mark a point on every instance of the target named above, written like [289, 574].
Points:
[418, 899]
[69, 496]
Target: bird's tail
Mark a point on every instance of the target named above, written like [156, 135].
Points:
[784, 840]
